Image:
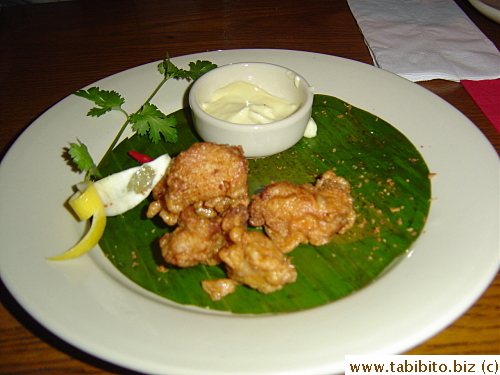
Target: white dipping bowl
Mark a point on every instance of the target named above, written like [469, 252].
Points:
[262, 139]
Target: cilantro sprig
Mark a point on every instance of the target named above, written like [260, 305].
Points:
[81, 156]
[105, 100]
[147, 120]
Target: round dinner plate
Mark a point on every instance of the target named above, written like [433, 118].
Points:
[90, 305]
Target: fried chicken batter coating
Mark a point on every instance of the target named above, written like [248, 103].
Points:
[195, 240]
[198, 239]
[253, 259]
[208, 176]
[219, 288]
[293, 214]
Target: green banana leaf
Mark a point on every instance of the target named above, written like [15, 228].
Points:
[391, 190]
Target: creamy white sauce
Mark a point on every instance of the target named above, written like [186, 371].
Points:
[242, 102]
[311, 129]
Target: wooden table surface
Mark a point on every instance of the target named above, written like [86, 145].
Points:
[48, 51]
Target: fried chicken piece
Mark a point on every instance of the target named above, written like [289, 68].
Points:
[195, 240]
[219, 288]
[254, 260]
[198, 239]
[209, 176]
[158, 206]
[234, 217]
[293, 215]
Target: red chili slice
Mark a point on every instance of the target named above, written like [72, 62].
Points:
[141, 158]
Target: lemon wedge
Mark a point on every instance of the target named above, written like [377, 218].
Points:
[87, 204]
[124, 190]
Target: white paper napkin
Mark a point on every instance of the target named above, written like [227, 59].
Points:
[425, 39]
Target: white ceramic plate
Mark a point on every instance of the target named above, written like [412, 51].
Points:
[86, 303]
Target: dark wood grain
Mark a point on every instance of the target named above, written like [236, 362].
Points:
[48, 51]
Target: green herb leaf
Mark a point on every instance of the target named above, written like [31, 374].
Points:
[150, 120]
[105, 100]
[196, 69]
[167, 68]
[199, 68]
[81, 156]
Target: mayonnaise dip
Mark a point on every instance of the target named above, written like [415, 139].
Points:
[242, 102]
